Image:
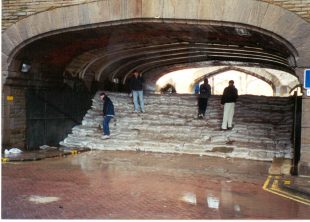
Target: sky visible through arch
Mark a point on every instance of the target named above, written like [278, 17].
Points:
[246, 84]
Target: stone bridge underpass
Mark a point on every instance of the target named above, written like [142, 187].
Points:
[56, 58]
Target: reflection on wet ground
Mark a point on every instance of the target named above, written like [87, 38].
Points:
[138, 185]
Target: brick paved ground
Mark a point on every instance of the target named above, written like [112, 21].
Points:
[130, 185]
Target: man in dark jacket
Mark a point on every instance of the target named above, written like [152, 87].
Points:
[229, 98]
[136, 87]
[108, 114]
[204, 94]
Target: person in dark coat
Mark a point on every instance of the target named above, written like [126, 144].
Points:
[136, 86]
[229, 99]
[203, 96]
[108, 114]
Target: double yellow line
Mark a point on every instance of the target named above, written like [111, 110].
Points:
[273, 187]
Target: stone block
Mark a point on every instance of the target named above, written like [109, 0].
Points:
[298, 35]
[84, 14]
[4, 64]
[71, 16]
[133, 9]
[211, 9]
[14, 35]
[116, 9]
[305, 120]
[280, 166]
[306, 104]
[304, 53]
[255, 13]
[280, 21]
[7, 44]
[304, 164]
[168, 9]
[238, 11]
[152, 8]
[185, 9]
[100, 11]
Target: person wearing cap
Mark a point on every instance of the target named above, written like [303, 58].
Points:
[203, 96]
[108, 114]
[229, 99]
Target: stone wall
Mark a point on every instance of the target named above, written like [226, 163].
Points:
[13, 11]
[300, 7]
[13, 117]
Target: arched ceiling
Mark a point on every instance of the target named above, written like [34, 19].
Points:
[104, 40]
[114, 51]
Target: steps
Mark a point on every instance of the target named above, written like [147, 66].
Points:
[263, 127]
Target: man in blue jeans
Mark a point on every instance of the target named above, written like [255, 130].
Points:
[136, 86]
[108, 114]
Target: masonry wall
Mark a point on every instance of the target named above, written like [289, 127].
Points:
[12, 11]
[13, 117]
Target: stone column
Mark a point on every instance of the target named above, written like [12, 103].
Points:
[277, 91]
[284, 91]
[304, 163]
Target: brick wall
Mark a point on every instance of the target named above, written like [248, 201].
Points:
[13, 11]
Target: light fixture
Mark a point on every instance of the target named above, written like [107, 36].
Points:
[116, 80]
[242, 31]
[25, 67]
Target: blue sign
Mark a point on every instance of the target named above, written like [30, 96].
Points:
[307, 79]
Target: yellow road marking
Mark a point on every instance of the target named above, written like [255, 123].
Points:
[4, 159]
[74, 152]
[276, 190]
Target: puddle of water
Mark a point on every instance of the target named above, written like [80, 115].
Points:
[213, 202]
[42, 200]
[189, 198]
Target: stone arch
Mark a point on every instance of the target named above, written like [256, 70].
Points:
[273, 81]
[110, 12]
[243, 70]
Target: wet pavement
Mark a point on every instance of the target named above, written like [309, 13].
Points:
[139, 185]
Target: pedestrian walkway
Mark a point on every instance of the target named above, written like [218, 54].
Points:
[142, 185]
